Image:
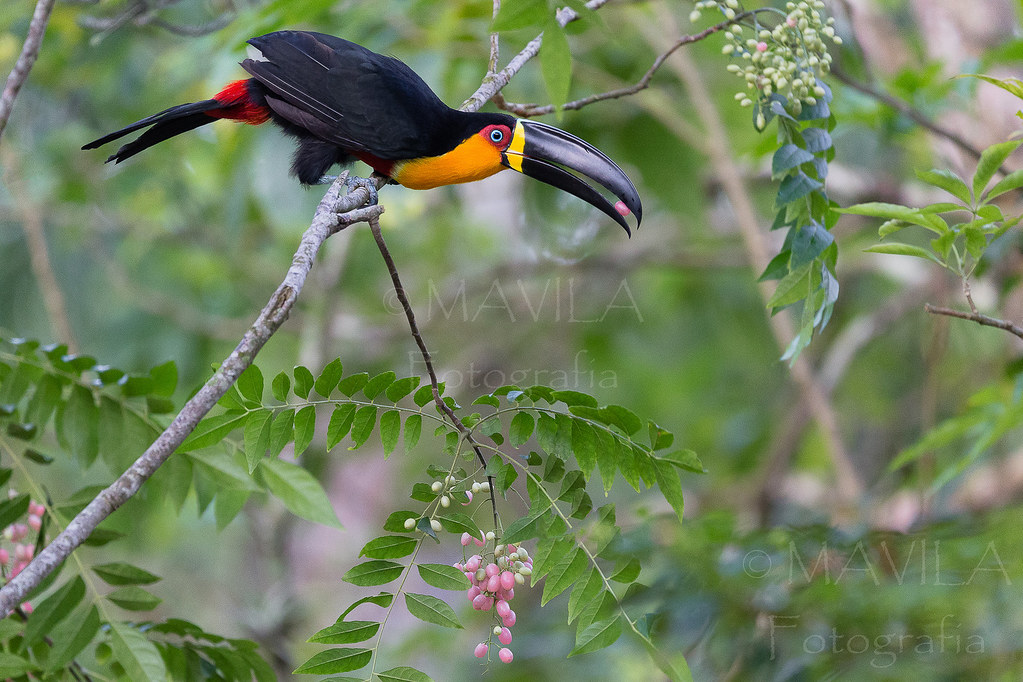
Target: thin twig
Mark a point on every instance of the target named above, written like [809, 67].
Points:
[495, 44]
[334, 213]
[528, 110]
[979, 318]
[911, 112]
[399, 290]
[29, 52]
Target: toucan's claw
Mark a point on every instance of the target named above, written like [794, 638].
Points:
[369, 184]
[326, 180]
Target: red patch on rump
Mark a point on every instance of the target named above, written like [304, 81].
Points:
[238, 105]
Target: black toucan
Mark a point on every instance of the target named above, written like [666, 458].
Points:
[343, 102]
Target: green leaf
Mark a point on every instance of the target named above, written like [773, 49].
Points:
[413, 428]
[685, 459]
[340, 660]
[1013, 180]
[520, 14]
[71, 636]
[401, 388]
[55, 608]
[948, 181]
[134, 598]
[788, 157]
[901, 249]
[521, 428]
[390, 430]
[223, 471]
[817, 140]
[877, 209]
[346, 632]
[443, 576]
[383, 600]
[628, 572]
[280, 386]
[430, 609]
[568, 568]
[671, 487]
[374, 572]
[303, 381]
[395, 523]
[78, 425]
[389, 547]
[556, 61]
[793, 287]
[13, 509]
[584, 592]
[377, 384]
[282, 431]
[796, 186]
[300, 492]
[458, 523]
[119, 573]
[305, 428]
[12, 666]
[362, 425]
[598, 635]
[571, 398]
[212, 430]
[404, 674]
[353, 384]
[990, 159]
[340, 424]
[165, 378]
[257, 437]
[584, 446]
[329, 378]
[250, 384]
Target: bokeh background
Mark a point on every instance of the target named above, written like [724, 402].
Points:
[774, 575]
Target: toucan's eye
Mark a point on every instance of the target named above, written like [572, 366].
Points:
[497, 135]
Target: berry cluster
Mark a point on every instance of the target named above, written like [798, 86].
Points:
[22, 552]
[493, 587]
[785, 60]
[442, 488]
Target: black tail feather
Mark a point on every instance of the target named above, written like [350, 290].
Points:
[166, 124]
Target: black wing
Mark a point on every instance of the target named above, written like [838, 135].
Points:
[347, 95]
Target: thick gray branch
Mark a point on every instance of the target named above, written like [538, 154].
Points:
[29, 52]
[334, 213]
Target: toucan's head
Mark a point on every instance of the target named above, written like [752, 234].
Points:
[492, 142]
[541, 151]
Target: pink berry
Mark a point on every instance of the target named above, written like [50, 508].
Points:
[473, 592]
[479, 543]
[26, 607]
[791, 22]
[18, 568]
[493, 584]
[503, 609]
[468, 493]
[19, 531]
[509, 620]
[492, 570]
[5, 556]
[507, 580]
[482, 602]
[505, 637]
[506, 655]
[480, 651]
[473, 563]
[471, 576]
[466, 539]
[510, 549]
[36, 509]
[761, 46]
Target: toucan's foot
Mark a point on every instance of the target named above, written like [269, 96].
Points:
[369, 184]
[326, 180]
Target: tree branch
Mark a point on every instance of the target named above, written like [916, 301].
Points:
[399, 290]
[29, 52]
[910, 112]
[334, 213]
[494, 83]
[979, 318]
[528, 110]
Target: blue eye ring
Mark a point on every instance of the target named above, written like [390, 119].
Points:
[497, 135]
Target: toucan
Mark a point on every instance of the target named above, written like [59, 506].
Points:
[343, 102]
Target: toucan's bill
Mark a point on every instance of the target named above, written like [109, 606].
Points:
[540, 150]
